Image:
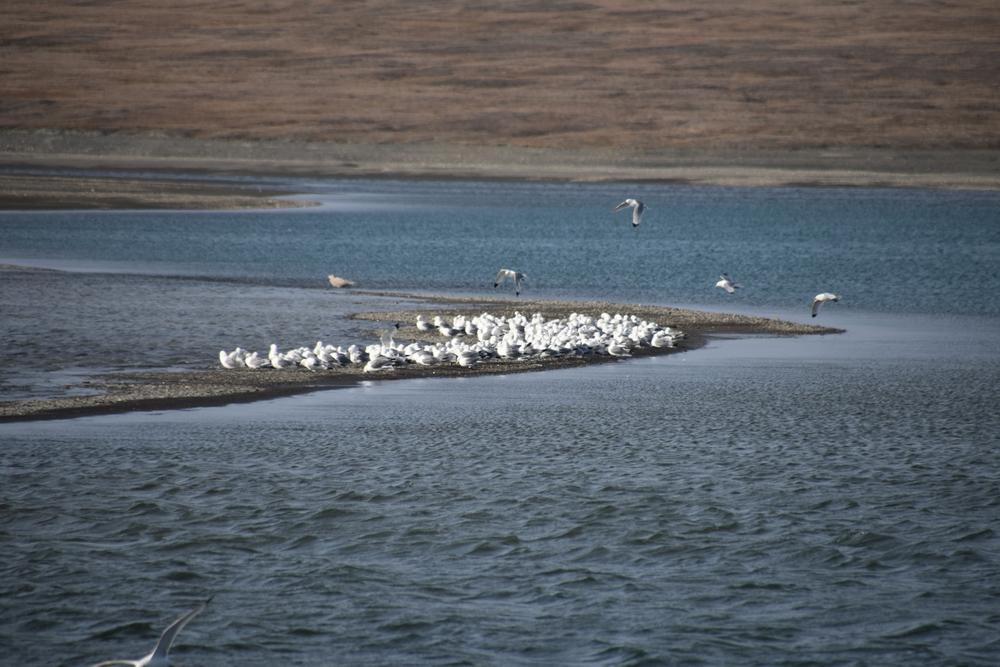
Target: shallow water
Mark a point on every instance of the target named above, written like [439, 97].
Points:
[770, 501]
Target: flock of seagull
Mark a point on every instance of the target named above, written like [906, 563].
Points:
[468, 341]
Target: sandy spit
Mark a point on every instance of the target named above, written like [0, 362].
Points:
[128, 392]
[836, 167]
[51, 192]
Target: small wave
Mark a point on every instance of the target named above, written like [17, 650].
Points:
[985, 533]
[918, 630]
[304, 540]
[494, 546]
[134, 629]
[761, 586]
[623, 654]
[863, 538]
[146, 508]
[331, 513]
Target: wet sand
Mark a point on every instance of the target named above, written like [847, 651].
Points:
[51, 192]
[26, 157]
[142, 391]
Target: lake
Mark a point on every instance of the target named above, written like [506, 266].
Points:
[761, 501]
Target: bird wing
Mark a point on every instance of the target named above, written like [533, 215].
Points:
[817, 302]
[170, 634]
[637, 213]
[109, 663]
[621, 206]
[502, 275]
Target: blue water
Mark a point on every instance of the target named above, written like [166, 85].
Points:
[760, 501]
[885, 250]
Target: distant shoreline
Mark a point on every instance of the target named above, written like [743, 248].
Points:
[144, 391]
[30, 162]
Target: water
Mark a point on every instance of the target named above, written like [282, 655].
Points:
[771, 501]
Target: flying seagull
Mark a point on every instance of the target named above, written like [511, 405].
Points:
[516, 276]
[159, 657]
[638, 208]
[820, 298]
[728, 284]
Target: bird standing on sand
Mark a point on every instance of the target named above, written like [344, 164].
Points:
[159, 656]
[727, 283]
[516, 276]
[638, 208]
[820, 299]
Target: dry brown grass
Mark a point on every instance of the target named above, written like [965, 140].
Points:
[727, 74]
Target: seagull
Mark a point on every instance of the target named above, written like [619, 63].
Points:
[423, 324]
[616, 349]
[256, 361]
[517, 277]
[638, 208]
[727, 284]
[467, 358]
[820, 298]
[159, 657]
[379, 363]
[226, 359]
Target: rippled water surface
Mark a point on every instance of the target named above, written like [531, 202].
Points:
[769, 501]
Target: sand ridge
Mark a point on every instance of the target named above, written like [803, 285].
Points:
[127, 392]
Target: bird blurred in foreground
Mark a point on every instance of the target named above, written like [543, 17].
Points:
[159, 656]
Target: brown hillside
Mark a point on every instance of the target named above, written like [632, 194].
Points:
[640, 75]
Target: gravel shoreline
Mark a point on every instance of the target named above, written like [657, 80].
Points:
[143, 391]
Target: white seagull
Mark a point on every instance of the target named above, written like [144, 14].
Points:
[159, 657]
[638, 208]
[727, 283]
[516, 276]
[226, 359]
[423, 324]
[820, 298]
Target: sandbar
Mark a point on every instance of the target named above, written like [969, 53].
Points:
[204, 387]
[30, 162]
